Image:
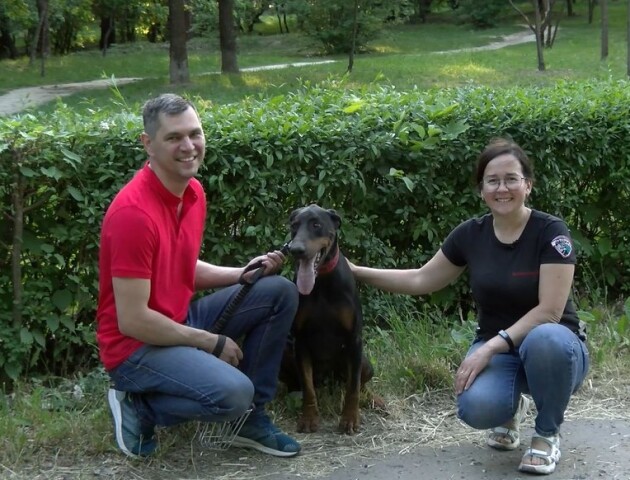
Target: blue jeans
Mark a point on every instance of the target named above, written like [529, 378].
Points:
[179, 383]
[550, 365]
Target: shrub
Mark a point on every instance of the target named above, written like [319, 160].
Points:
[396, 165]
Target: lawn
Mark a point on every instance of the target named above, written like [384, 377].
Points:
[413, 56]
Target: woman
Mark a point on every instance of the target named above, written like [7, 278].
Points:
[529, 340]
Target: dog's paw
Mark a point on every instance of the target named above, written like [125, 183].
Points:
[350, 423]
[308, 424]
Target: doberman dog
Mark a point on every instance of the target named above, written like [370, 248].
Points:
[327, 330]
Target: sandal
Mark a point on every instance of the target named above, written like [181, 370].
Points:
[511, 432]
[550, 459]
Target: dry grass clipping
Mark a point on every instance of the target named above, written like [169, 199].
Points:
[423, 420]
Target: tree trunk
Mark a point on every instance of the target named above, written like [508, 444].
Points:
[227, 37]
[591, 10]
[42, 11]
[355, 28]
[178, 52]
[44, 40]
[16, 254]
[284, 19]
[277, 8]
[108, 33]
[539, 40]
[604, 11]
[570, 8]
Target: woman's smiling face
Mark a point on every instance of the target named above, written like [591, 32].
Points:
[504, 186]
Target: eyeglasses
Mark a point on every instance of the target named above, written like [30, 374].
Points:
[512, 182]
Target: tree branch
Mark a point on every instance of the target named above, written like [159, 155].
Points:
[531, 26]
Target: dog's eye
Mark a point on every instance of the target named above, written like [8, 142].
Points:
[317, 225]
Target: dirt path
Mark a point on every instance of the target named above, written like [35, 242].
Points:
[23, 98]
[419, 438]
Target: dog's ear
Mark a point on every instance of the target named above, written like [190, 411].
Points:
[335, 218]
[294, 214]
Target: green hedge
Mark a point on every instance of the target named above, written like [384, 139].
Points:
[396, 165]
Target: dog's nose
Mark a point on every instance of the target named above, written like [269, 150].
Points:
[297, 249]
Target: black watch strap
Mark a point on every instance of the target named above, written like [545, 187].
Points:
[506, 336]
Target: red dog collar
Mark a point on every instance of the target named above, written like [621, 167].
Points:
[330, 265]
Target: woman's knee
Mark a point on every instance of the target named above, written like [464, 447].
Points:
[481, 410]
[548, 343]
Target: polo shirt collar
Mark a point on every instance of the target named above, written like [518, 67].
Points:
[164, 193]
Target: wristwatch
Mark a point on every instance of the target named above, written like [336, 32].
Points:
[506, 336]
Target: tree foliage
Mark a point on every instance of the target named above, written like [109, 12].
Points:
[332, 23]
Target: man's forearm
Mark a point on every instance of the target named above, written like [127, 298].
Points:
[153, 328]
[214, 276]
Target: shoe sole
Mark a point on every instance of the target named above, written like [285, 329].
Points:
[248, 443]
[114, 406]
[504, 447]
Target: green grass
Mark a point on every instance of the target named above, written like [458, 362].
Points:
[404, 56]
[412, 351]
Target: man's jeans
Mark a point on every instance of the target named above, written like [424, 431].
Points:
[550, 364]
[179, 383]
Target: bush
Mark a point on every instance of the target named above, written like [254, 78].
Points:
[396, 165]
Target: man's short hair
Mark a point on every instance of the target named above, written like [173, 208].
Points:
[167, 103]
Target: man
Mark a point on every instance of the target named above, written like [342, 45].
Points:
[165, 365]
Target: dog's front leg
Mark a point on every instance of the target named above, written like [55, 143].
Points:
[309, 420]
[350, 416]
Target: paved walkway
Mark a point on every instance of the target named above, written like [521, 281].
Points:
[17, 100]
[591, 449]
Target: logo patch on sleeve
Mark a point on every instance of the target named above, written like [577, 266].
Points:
[563, 245]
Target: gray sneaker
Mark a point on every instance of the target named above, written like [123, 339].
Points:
[131, 438]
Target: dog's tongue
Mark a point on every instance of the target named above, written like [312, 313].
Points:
[306, 276]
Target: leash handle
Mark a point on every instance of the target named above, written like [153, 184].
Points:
[219, 325]
[258, 266]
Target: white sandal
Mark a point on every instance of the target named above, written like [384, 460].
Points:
[513, 434]
[550, 459]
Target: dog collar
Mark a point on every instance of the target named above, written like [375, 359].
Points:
[330, 265]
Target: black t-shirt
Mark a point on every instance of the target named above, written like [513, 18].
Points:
[504, 277]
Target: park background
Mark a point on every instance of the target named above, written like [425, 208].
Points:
[386, 132]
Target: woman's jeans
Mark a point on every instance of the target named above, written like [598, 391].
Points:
[550, 365]
[179, 383]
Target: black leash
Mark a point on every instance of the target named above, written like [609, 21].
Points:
[219, 325]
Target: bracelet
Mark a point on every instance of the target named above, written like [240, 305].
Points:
[218, 348]
[506, 336]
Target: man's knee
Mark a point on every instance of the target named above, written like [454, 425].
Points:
[285, 287]
[283, 291]
[237, 395]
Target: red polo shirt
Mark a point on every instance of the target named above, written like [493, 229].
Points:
[142, 237]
